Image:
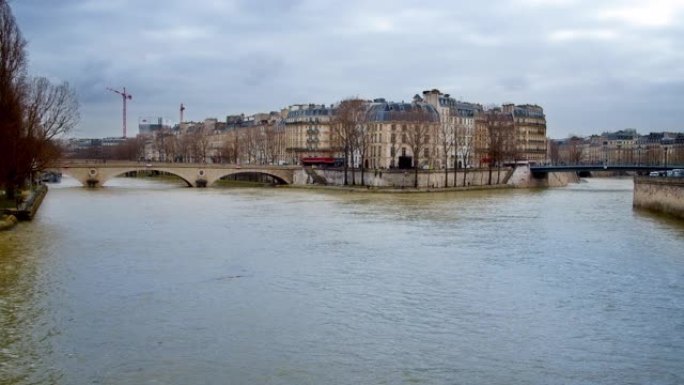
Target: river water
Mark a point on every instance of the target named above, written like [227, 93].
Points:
[146, 282]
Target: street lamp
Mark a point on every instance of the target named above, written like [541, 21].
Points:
[639, 155]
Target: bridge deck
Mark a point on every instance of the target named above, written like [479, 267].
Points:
[601, 167]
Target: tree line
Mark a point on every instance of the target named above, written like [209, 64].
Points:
[34, 112]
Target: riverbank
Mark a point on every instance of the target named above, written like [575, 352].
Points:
[29, 206]
[396, 190]
[397, 181]
[660, 194]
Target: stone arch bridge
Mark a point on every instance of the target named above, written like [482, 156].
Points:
[94, 173]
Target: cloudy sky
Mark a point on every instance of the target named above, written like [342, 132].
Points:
[592, 65]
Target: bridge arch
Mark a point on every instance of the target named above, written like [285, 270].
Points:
[223, 174]
[102, 175]
[96, 173]
[184, 178]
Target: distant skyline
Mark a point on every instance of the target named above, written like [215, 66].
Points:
[592, 66]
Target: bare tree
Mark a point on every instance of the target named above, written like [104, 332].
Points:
[362, 138]
[14, 166]
[420, 130]
[130, 149]
[447, 138]
[250, 145]
[236, 146]
[554, 152]
[184, 148]
[33, 112]
[575, 150]
[273, 139]
[165, 143]
[268, 141]
[200, 144]
[226, 152]
[465, 146]
[344, 124]
[50, 111]
[501, 139]
[260, 143]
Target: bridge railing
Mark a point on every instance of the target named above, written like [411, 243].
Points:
[153, 164]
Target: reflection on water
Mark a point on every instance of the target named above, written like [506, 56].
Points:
[147, 282]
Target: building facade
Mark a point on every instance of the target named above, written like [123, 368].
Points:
[402, 134]
[530, 132]
[433, 131]
[623, 147]
[457, 131]
[308, 133]
[150, 124]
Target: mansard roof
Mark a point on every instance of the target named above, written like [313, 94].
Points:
[383, 111]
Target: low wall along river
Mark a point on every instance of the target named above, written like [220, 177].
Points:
[665, 195]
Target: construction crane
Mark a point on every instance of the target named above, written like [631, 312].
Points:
[125, 96]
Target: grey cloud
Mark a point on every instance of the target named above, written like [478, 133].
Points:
[225, 57]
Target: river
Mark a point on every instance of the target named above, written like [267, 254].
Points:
[146, 282]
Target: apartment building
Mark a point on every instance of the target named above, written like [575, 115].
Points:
[402, 134]
[457, 129]
[530, 131]
[307, 132]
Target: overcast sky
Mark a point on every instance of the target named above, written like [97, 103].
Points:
[593, 65]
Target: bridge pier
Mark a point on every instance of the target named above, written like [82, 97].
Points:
[92, 183]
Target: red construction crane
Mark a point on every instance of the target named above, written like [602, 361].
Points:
[125, 96]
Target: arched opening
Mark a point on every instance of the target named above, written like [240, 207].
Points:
[146, 178]
[249, 179]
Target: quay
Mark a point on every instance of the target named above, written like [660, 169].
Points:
[94, 174]
[24, 210]
[28, 208]
[660, 194]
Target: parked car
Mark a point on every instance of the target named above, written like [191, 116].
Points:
[676, 173]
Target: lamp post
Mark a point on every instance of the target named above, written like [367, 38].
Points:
[639, 155]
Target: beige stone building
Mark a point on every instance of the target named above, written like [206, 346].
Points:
[622, 147]
[530, 132]
[307, 132]
[457, 129]
[402, 134]
[433, 131]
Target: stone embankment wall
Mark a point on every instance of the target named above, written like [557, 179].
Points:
[522, 177]
[665, 195]
[28, 208]
[505, 177]
[427, 179]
